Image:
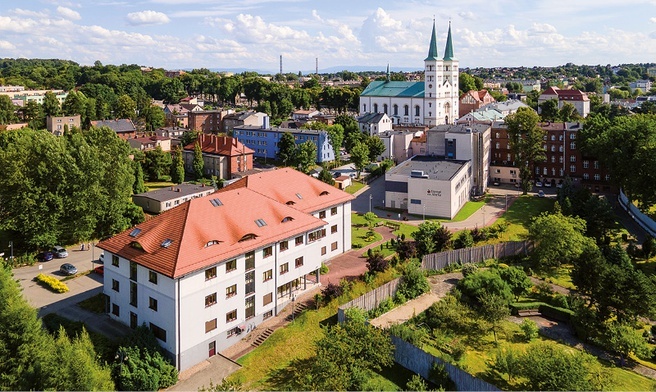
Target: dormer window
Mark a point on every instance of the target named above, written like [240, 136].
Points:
[166, 243]
[136, 245]
[324, 193]
[287, 219]
[212, 242]
[248, 237]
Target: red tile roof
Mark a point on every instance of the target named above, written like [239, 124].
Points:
[219, 145]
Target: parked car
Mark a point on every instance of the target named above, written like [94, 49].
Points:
[101, 258]
[45, 256]
[60, 252]
[540, 193]
[547, 184]
[538, 184]
[100, 270]
[68, 269]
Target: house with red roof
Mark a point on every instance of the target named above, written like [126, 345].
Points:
[474, 100]
[577, 98]
[223, 156]
[202, 273]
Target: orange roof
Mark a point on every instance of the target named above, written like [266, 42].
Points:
[219, 145]
[286, 185]
[194, 225]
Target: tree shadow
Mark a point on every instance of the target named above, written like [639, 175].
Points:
[289, 378]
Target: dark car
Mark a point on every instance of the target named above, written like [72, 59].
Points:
[45, 256]
[68, 269]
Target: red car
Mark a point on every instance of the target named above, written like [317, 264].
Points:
[100, 270]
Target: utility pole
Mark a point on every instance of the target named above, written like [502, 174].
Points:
[370, 197]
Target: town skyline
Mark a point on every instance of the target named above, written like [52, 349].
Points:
[186, 34]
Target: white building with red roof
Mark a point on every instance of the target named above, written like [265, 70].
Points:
[201, 273]
[577, 98]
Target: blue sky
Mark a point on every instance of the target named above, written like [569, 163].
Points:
[252, 34]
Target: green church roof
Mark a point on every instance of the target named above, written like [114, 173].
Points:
[448, 51]
[432, 48]
[394, 89]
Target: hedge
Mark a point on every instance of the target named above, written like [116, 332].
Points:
[560, 314]
[516, 307]
[52, 283]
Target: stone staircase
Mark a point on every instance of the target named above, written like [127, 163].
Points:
[299, 308]
[262, 337]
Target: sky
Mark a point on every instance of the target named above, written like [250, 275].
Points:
[253, 34]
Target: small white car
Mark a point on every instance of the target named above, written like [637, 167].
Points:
[538, 184]
[541, 193]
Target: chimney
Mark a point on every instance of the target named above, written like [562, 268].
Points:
[216, 143]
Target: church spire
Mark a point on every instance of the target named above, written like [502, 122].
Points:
[448, 51]
[432, 47]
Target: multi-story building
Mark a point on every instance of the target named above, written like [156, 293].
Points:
[148, 143]
[202, 273]
[249, 117]
[577, 98]
[474, 100]
[124, 127]
[33, 95]
[374, 123]
[563, 159]
[164, 199]
[206, 121]
[56, 125]
[222, 156]
[431, 102]
[397, 145]
[264, 141]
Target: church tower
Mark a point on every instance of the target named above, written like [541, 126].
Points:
[432, 80]
[451, 72]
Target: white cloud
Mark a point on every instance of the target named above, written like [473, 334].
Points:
[467, 15]
[382, 33]
[147, 18]
[29, 13]
[6, 45]
[652, 20]
[68, 13]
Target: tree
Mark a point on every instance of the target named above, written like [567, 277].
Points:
[649, 247]
[154, 117]
[158, 163]
[198, 164]
[287, 148]
[525, 143]
[138, 186]
[376, 147]
[568, 113]
[414, 282]
[549, 110]
[75, 103]
[557, 239]
[494, 309]
[506, 361]
[376, 262]
[306, 156]
[7, 109]
[529, 328]
[625, 340]
[177, 166]
[517, 279]
[326, 176]
[416, 383]
[126, 107]
[360, 156]
[463, 239]
[51, 105]
[336, 138]
[485, 282]
[431, 237]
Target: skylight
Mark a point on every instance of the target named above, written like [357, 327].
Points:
[216, 202]
[166, 243]
[299, 196]
[290, 203]
[260, 222]
[135, 232]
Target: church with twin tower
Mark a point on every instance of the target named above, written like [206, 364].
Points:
[431, 102]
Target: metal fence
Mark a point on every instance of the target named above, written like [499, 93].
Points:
[438, 261]
[370, 300]
[643, 220]
[421, 362]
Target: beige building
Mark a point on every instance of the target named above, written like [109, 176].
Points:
[56, 125]
[164, 199]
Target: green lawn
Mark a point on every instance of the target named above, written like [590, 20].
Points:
[519, 217]
[359, 230]
[153, 185]
[560, 276]
[354, 187]
[467, 210]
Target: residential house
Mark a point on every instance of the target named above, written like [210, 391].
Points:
[418, 144]
[264, 141]
[217, 266]
[643, 84]
[148, 143]
[56, 125]
[374, 123]
[163, 199]
[506, 107]
[474, 100]
[577, 98]
[304, 115]
[249, 117]
[397, 145]
[206, 121]
[33, 95]
[124, 127]
[484, 116]
[222, 156]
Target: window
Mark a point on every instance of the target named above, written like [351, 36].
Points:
[267, 275]
[597, 177]
[115, 285]
[607, 177]
[249, 307]
[572, 145]
[333, 211]
[572, 158]
[152, 303]
[333, 246]
[268, 251]
[152, 277]
[115, 310]
[210, 325]
[395, 109]
[322, 214]
[333, 229]
[158, 332]
[596, 164]
[417, 110]
[572, 135]
[415, 201]
[133, 294]
[267, 299]
[210, 300]
[299, 260]
[298, 240]
[316, 235]
[406, 110]
[375, 108]
[115, 260]
[553, 159]
[250, 260]
[572, 168]
[284, 268]
[231, 290]
[231, 265]
[586, 164]
[267, 315]
[284, 245]
[249, 280]
[586, 176]
[231, 316]
[210, 273]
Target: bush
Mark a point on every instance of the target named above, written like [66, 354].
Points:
[560, 301]
[469, 269]
[529, 329]
[52, 283]
[376, 262]
[464, 239]
[544, 291]
[406, 249]
[324, 269]
[414, 282]
[556, 313]
[331, 291]
[516, 307]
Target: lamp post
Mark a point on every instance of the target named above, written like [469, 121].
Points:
[370, 198]
[11, 250]
[424, 215]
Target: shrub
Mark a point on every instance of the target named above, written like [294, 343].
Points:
[556, 313]
[324, 269]
[464, 239]
[560, 301]
[376, 262]
[469, 269]
[529, 329]
[52, 283]
[414, 282]
[406, 249]
[543, 290]
[416, 383]
[331, 291]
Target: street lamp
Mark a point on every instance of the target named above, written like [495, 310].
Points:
[370, 198]
[424, 216]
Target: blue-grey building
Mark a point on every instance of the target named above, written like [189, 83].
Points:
[264, 141]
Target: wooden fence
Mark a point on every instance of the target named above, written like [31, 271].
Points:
[438, 261]
[370, 300]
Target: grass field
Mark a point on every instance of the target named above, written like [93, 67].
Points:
[354, 187]
[519, 217]
[467, 210]
[359, 230]
[157, 184]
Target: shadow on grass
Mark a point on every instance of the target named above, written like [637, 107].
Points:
[329, 321]
[293, 377]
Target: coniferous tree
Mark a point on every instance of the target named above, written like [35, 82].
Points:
[177, 167]
[198, 163]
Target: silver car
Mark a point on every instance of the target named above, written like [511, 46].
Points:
[68, 269]
[60, 252]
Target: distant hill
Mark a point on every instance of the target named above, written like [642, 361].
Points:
[329, 70]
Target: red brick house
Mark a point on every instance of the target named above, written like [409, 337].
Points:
[223, 156]
[474, 100]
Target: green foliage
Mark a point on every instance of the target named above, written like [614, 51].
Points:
[177, 166]
[517, 279]
[52, 283]
[138, 185]
[326, 177]
[649, 247]
[198, 164]
[85, 195]
[157, 164]
[506, 361]
[468, 269]
[154, 117]
[409, 333]
[494, 309]
[306, 156]
[558, 239]
[431, 237]
[375, 147]
[625, 340]
[225, 386]
[287, 149]
[336, 138]
[529, 329]
[525, 137]
[416, 383]
[324, 269]
[463, 239]
[485, 281]
[414, 282]
[360, 156]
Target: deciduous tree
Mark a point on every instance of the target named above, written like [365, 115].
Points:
[306, 156]
[557, 239]
[525, 138]
[287, 149]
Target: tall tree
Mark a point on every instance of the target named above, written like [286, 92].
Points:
[138, 186]
[74, 104]
[177, 166]
[7, 110]
[360, 156]
[198, 163]
[51, 105]
[154, 117]
[376, 147]
[306, 156]
[158, 163]
[125, 107]
[287, 149]
[526, 139]
[336, 137]
[431, 237]
[558, 239]
[494, 309]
